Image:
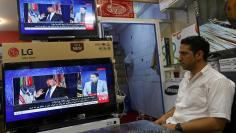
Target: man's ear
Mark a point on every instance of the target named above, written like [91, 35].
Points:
[199, 55]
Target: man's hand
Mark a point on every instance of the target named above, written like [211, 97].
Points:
[161, 120]
[42, 16]
[164, 117]
[169, 126]
[39, 93]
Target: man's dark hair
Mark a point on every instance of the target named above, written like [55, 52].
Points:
[197, 43]
[96, 74]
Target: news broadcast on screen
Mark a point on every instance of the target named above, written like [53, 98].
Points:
[57, 17]
[34, 92]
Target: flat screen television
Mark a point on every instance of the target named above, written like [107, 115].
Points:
[57, 19]
[46, 92]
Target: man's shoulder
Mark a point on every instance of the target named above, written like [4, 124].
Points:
[87, 83]
[60, 90]
[77, 14]
[89, 14]
[214, 74]
[59, 87]
[57, 15]
[102, 81]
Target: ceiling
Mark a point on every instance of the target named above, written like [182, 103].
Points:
[8, 15]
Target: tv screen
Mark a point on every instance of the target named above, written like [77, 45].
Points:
[49, 19]
[36, 91]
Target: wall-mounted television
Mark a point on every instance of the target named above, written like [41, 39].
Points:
[57, 19]
[41, 93]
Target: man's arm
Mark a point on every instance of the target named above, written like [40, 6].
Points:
[60, 17]
[104, 86]
[77, 18]
[164, 117]
[85, 91]
[202, 125]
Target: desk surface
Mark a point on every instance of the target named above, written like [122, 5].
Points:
[142, 126]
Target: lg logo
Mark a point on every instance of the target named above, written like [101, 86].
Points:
[14, 52]
[27, 52]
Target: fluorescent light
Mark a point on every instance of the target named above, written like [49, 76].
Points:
[2, 21]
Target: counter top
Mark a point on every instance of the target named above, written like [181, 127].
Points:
[141, 126]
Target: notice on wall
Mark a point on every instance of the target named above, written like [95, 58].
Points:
[178, 36]
[228, 65]
[115, 8]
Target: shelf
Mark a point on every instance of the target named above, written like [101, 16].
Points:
[172, 67]
[174, 4]
[169, 69]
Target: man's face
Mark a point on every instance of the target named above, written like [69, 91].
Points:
[51, 82]
[82, 10]
[186, 57]
[93, 78]
[50, 9]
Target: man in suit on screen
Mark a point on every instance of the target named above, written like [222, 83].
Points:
[95, 86]
[53, 16]
[83, 16]
[52, 91]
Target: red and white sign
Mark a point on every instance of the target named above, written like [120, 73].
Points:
[103, 98]
[115, 8]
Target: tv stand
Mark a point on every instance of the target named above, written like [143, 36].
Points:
[60, 39]
[70, 126]
[86, 126]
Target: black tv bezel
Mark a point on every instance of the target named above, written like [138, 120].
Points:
[64, 35]
[69, 116]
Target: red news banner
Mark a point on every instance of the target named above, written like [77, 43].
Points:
[115, 8]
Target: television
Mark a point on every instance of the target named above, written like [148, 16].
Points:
[37, 94]
[57, 19]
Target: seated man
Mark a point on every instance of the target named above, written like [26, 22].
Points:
[205, 96]
[95, 86]
[52, 91]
